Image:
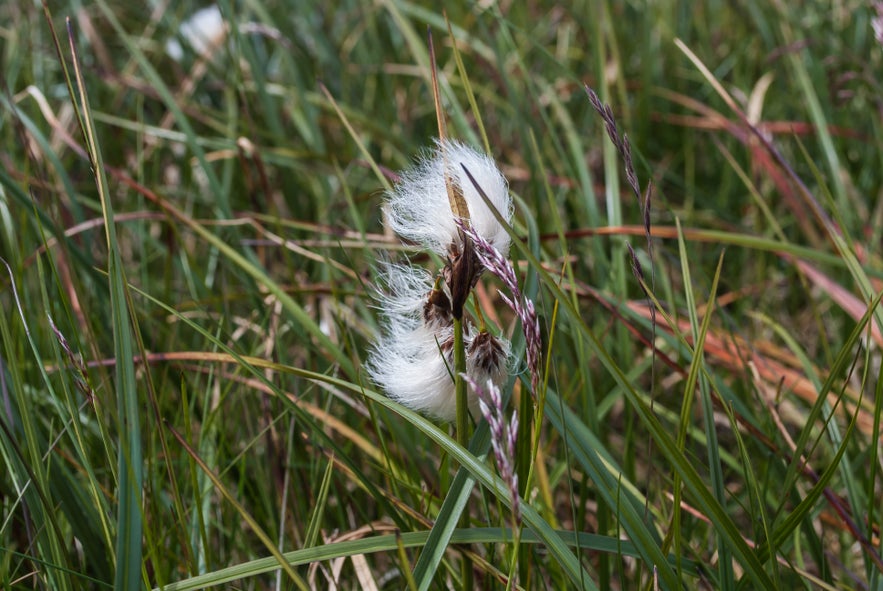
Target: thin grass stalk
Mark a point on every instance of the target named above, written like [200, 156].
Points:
[874, 512]
[406, 565]
[725, 567]
[524, 464]
[460, 388]
[129, 526]
[460, 385]
[518, 551]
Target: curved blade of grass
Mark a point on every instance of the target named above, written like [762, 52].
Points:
[442, 532]
[873, 510]
[254, 525]
[315, 524]
[609, 481]
[389, 542]
[751, 481]
[704, 499]
[405, 563]
[697, 373]
[786, 527]
[846, 247]
[372, 162]
[832, 429]
[799, 60]
[130, 467]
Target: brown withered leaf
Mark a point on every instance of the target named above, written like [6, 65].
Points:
[460, 274]
[455, 194]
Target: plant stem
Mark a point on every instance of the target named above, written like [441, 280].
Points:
[524, 455]
[462, 426]
[460, 384]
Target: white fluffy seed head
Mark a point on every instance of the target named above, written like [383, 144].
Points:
[414, 364]
[419, 208]
[413, 369]
[410, 361]
[413, 359]
[405, 290]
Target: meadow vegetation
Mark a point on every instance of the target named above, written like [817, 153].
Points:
[191, 236]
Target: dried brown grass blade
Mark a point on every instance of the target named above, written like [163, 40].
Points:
[770, 364]
[455, 193]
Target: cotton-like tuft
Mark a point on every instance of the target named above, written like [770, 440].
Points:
[419, 209]
[205, 31]
[414, 366]
[413, 358]
[406, 288]
[413, 369]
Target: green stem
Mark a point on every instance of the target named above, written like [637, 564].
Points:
[460, 384]
[462, 426]
[524, 454]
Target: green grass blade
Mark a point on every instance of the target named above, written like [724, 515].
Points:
[129, 525]
[388, 543]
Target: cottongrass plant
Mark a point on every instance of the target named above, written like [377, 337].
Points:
[414, 360]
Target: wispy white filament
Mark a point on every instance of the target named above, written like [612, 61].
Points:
[413, 359]
[415, 372]
[414, 362]
[419, 208]
[406, 288]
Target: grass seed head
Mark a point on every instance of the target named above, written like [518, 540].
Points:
[420, 210]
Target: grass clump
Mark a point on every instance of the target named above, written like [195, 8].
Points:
[191, 241]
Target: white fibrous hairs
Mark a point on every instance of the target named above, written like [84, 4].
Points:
[413, 359]
[418, 208]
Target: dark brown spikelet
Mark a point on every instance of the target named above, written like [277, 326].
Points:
[487, 354]
[437, 309]
[461, 274]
